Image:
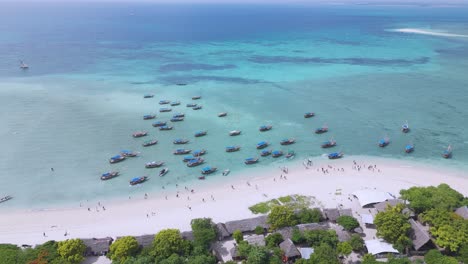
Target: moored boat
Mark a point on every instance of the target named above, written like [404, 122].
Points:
[109, 175]
[288, 141]
[262, 145]
[182, 151]
[277, 153]
[177, 119]
[249, 161]
[405, 127]
[128, 153]
[226, 172]
[163, 102]
[208, 170]
[139, 134]
[6, 198]
[265, 128]
[195, 162]
[188, 157]
[198, 107]
[290, 155]
[175, 103]
[196, 97]
[232, 148]
[154, 164]
[159, 123]
[23, 65]
[384, 142]
[191, 105]
[163, 172]
[116, 158]
[148, 96]
[329, 143]
[447, 153]
[222, 114]
[176, 115]
[335, 155]
[409, 148]
[148, 117]
[165, 109]
[265, 153]
[321, 130]
[199, 152]
[200, 133]
[235, 132]
[162, 128]
[309, 115]
[150, 143]
[180, 141]
[138, 180]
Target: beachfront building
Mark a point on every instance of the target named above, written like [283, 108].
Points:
[379, 248]
[368, 220]
[368, 197]
[290, 251]
[420, 236]
[255, 240]
[246, 225]
[97, 246]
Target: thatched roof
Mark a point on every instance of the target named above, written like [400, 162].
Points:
[347, 212]
[223, 249]
[313, 226]
[222, 232]
[463, 212]
[187, 235]
[289, 249]
[286, 232]
[255, 240]
[144, 240]
[381, 207]
[419, 235]
[97, 246]
[247, 225]
[342, 234]
[331, 214]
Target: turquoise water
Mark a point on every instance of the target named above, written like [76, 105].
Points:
[82, 98]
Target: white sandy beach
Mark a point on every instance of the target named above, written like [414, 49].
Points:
[428, 32]
[139, 216]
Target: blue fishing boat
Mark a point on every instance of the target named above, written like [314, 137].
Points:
[188, 157]
[195, 162]
[162, 128]
[250, 161]
[116, 158]
[290, 155]
[128, 153]
[405, 127]
[265, 128]
[262, 145]
[409, 148]
[208, 170]
[182, 151]
[198, 107]
[196, 97]
[163, 172]
[198, 153]
[177, 119]
[234, 133]
[178, 115]
[384, 142]
[232, 148]
[288, 141]
[148, 96]
[329, 143]
[154, 164]
[265, 153]
[309, 115]
[321, 130]
[335, 155]
[138, 180]
[175, 103]
[200, 133]
[109, 175]
[148, 117]
[139, 134]
[180, 141]
[163, 102]
[277, 153]
[222, 114]
[159, 123]
[447, 153]
[191, 105]
[149, 143]
[165, 109]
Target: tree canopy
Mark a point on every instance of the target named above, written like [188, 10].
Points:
[168, 242]
[425, 198]
[123, 248]
[72, 250]
[393, 226]
[281, 216]
[347, 222]
[324, 254]
[204, 232]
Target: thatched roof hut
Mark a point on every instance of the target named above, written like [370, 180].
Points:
[289, 249]
[331, 214]
[246, 225]
[97, 246]
[285, 232]
[255, 240]
[348, 212]
[145, 240]
[222, 231]
[382, 206]
[313, 226]
[419, 235]
[462, 211]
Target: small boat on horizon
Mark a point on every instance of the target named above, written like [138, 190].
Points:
[384, 142]
[150, 143]
[139, 134]
[208, 170]
[226, 172]
[198, 107]
[265, 153]
[234, 133]
[321, 130]
[191, 105]
[163, 102]
[405, 127]
[175, 103]
[409, 148]
[309, 115]
[177, 119]
[288, 141]
[277, 153]
[180, 141]
[198, 153]
[116, 159]
[109, 175]
[249, 161]
[138, 180]
[165, 109]
[265, 128]
[232, 148]
[290, 155]
[163, 172]
[148, 96]
[6, 198]
[23, 65]
[335, 155]
[200, 133]
[329, 143]
[448, 152]
[148, 117]
[154, 164]
[182, 151]
[159, 124]
[129, 153]
[222, 114]
[196, 97]
[262, 144]
[195, 162]
[163, 128]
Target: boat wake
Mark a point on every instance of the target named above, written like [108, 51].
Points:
[427, 32]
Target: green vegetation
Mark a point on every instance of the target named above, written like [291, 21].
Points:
[72, 250]
[238, 236]
[295, 201]
[344, 248]
[435, 257]
[259, 230]
[356, 242]
[168, 242]
[281, 216]
[423, 199]
[324, 254]
[347, 222]
[307, 215]
[123, 248]
[273, 240]
[204, 232]
[263, 207]
[393, 226]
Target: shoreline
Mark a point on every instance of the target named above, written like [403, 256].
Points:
[223, 200]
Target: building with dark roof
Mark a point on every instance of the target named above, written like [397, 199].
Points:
[247, 225]
[419, 235]
[97, 246]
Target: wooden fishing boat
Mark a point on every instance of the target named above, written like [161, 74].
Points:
[265, 153]
[159, 124]
[309, 115]
[200, 133]
[249, 161]
[447, 153]
[232, 148]
[109, 175]
[277, 153]
[198, 153]
[139, 134]
[262, 144]
[409, 148]
[138, 180]
[116, 159]
[222, 114]
[163, 172]
[208, 170]
[288, 141]
[321, 130]
[335, 155]
[195, 162]
[164, 128]
[154, 164]
[329, 143]
[148, 117]
[182, 151]
[6, 198]
[265, 128]
[149, 143]
[180, 141]
[234, 133]
[405, 127]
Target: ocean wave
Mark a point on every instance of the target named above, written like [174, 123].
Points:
[427, 32]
